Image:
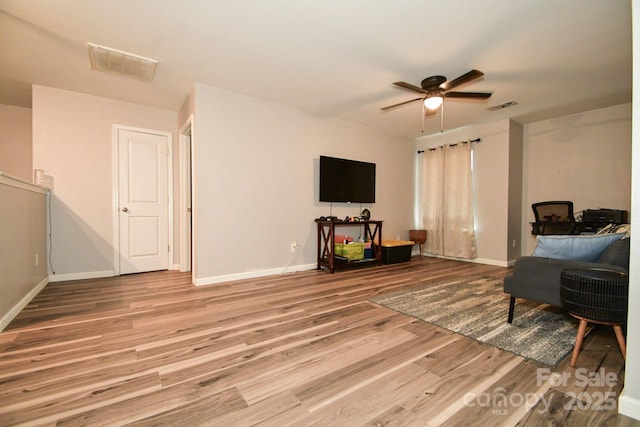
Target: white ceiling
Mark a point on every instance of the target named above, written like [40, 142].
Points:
[334, 58]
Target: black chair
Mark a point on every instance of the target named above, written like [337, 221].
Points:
[554, 217]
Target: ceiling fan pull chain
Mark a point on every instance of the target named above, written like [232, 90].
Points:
[442, 117]
[423, 114]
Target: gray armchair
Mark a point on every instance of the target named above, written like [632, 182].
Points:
[538, 279]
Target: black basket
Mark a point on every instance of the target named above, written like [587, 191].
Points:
[600, 295]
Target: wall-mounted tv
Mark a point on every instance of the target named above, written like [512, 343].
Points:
[350, 181]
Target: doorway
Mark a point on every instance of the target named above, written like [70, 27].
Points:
[142, 188]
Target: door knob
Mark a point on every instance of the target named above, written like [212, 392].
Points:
[125, 209]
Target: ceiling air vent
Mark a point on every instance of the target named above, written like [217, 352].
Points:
[123, 63]
[502, 106]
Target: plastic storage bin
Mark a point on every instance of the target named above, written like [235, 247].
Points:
[352, 251]
[394, 251]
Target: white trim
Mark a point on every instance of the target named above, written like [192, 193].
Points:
[185, 146]
[81, 276]
[194, 204]
[115, 173]
[12, 181]
[114, 201]
[252, 274]
[629, 406]
[486, 261]
[16, 309]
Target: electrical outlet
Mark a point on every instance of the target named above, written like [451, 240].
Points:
[294, 246]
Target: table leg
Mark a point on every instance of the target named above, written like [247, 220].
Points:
[621, 342]
[319, 249]
[576, 349]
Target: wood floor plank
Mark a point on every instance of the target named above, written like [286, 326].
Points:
[511, 396]
[342, 381]
[59, 406]
[258, 413]
[192, 399]
[305, 371]
[474, 376]
[365, 404]
[23, 379]
[304, 348]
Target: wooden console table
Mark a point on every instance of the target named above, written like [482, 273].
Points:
[326, 233]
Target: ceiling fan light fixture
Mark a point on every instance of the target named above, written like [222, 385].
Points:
[433, 102]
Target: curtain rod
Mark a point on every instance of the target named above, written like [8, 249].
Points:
[451, 145]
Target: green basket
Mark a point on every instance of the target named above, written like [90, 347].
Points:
[352, 252]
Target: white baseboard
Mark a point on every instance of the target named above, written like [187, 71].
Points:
[7, 318]
[80, 276]
[629, 406]
[487, 261]
[252, 274]
[490, 262]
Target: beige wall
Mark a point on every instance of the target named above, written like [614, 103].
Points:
[256, 184]
[72, 142]
[585, 158]
[15, 143]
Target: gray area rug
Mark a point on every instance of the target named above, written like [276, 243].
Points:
[477, 307]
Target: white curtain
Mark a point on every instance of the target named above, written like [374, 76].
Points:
[447, 210]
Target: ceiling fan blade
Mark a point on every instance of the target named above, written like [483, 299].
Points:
[465, 78]
[410, 87]
[401, 103]
[468, 95]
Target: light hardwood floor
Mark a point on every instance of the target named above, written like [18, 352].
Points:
[298, 349]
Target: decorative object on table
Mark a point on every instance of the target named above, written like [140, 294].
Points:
[596, 296]
[365, 215]
[474, 307]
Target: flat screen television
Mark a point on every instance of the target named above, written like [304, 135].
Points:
[348, 181]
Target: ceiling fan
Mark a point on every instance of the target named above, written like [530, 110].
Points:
[435, 88]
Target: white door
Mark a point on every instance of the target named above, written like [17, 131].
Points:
[143, 203]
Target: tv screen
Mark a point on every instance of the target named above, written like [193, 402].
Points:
[343, 180]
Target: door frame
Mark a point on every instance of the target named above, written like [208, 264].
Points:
[115, 167]
[185, 167]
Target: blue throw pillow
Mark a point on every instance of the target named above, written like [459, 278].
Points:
[575, 248]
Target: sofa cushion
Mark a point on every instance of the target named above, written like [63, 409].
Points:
[617, 253]
[587, 248]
